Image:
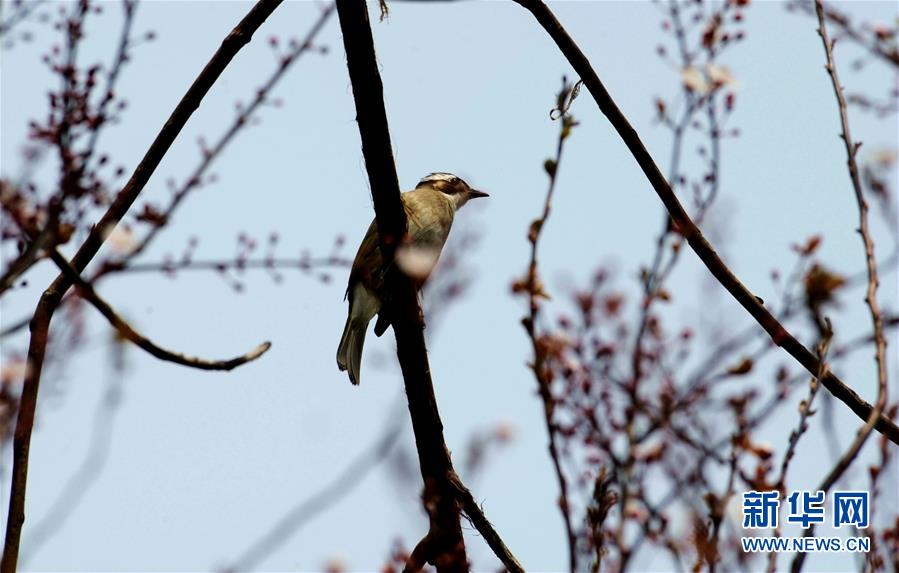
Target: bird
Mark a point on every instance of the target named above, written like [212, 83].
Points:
[430, 209]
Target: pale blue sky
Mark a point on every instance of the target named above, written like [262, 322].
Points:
[202, 463]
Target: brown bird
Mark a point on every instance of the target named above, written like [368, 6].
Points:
[430, 209]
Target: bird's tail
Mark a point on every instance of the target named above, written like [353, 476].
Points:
[363, 306]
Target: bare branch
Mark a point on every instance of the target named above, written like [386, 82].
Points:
[220, 265]
[852, 147]
[127, 331]
[870, 260]
[540, 343]
[805, 411]
[686, 227]
[877, 47]
[301, 263]
[805, 408]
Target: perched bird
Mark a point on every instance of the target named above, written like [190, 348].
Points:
[430, 209]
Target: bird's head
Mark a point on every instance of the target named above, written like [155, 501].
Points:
[452, 186]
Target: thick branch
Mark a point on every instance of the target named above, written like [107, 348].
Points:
[443, 545]
[49, 301]
[686, 227]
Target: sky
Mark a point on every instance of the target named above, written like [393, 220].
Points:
[201, 464]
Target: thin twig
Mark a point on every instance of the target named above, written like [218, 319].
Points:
[220, 265]
[686, 227]
[69, 180]
[23, 262]
[661, 269]
[129, 8]
[300, 263]
[864, 432]
[129, 333]
[38, 242]
[805, 411]
[540, 367]
[875, 48]
[717, 508]
[870, 259]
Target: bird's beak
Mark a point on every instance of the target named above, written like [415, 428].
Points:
[474, 194]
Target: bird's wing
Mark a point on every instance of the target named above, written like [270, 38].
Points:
[368, 257]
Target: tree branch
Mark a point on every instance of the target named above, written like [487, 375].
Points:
[686, 227]
[124, 329]
[50, 299]
[443, 545]
[870, 259]
[128, 333]
[876, 48]
[220, 265]
[864, 432]
[540, 343]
